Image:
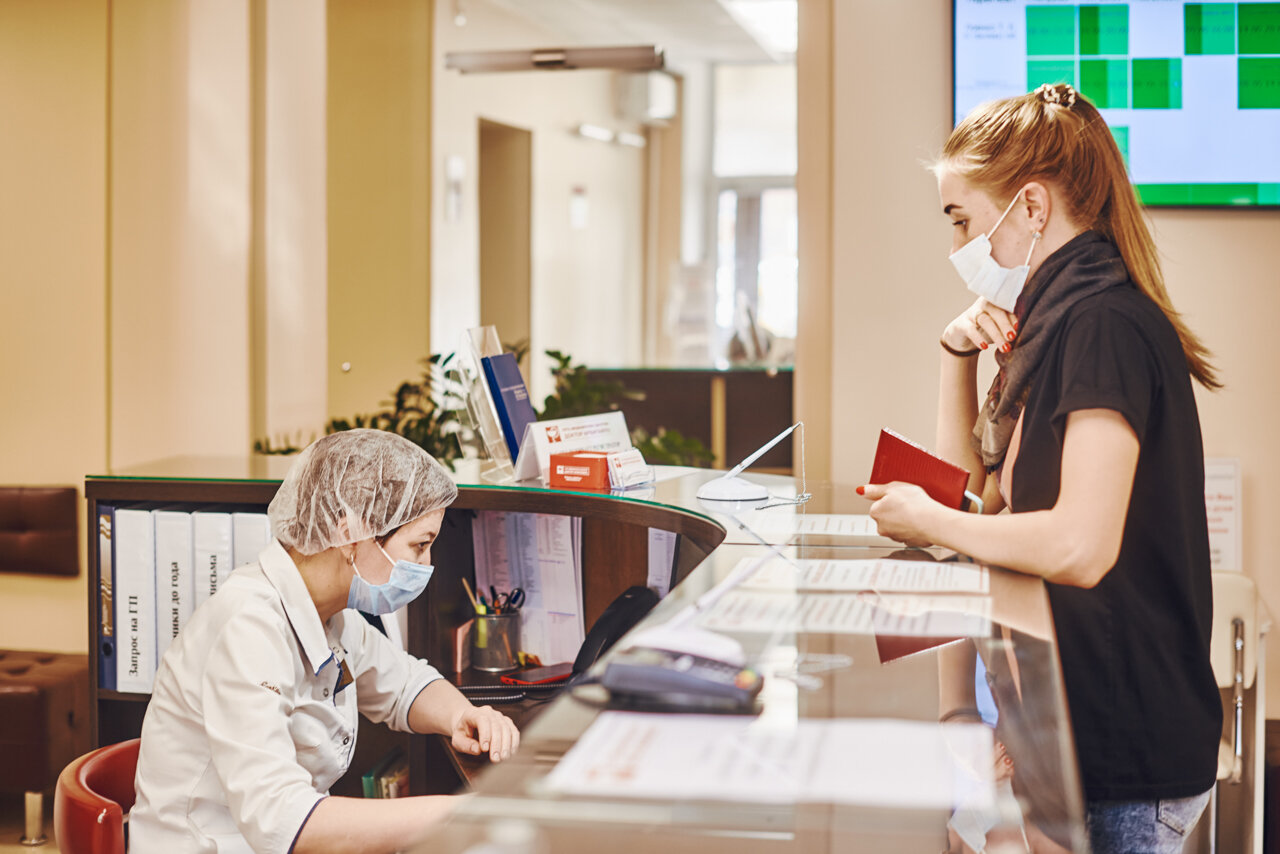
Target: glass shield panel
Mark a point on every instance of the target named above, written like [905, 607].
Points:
[904, 708]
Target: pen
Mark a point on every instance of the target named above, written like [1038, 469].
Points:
[474, 604]
[742, 466]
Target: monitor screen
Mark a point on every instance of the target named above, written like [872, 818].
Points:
[1191, 91]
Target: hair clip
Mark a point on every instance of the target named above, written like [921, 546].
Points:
[1062, 94]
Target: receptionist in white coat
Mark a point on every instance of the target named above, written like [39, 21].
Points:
[253, 715]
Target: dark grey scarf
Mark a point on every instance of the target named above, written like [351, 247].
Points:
[1087, 264]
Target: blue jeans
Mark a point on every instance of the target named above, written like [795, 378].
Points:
[1142, 827]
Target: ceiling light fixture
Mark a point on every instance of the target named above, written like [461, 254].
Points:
[773, 24]
[634, 58]
[595, 132]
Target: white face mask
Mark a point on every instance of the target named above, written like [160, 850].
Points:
[406, 583]
[1000, 286]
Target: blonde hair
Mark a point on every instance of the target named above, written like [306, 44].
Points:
[1055, 135]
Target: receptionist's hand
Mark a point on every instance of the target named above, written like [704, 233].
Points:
[901, 511]
[981, 325]
[482, 729]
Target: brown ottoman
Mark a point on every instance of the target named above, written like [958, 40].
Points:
[44, 723]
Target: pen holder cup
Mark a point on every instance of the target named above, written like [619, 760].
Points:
[494, 641]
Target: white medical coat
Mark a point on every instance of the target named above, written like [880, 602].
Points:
[250, 721]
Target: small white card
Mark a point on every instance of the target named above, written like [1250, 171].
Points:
[1222, 509]
[628, 468]
[605, 432]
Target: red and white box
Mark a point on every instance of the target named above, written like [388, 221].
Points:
[579, 470]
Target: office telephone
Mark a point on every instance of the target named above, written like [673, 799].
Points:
[623, 613]
[671, 680]
[664, 668]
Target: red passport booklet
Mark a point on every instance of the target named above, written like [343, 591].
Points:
[898, 458]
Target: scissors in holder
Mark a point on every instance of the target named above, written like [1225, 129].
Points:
[511, 601]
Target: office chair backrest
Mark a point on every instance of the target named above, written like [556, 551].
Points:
[93, 794]
[1234, 595]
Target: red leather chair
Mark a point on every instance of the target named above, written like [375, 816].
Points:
[93, 794]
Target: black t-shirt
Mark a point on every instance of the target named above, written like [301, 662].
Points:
[1144, 704]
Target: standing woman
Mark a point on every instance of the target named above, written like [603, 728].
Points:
[1090, 436]
[254, 711]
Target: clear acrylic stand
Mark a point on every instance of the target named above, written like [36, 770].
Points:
[476, 344]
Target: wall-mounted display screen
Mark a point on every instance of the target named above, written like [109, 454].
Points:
[1191, 91]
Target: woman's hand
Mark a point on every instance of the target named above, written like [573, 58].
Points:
[901, 511]
[1003, 762]
[481, 728]
[981, 325]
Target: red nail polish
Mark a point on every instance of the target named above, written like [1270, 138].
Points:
[860, 490]
[982, 346]
[1012, 335]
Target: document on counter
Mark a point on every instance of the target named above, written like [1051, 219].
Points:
[884, 575]
[541, 553]
[874, 762]
[932, 616]
[774, 524]
[784, 525]
[849, 613]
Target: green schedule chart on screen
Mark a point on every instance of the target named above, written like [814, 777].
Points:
[1191, 91]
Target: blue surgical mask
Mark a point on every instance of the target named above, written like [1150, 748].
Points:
[406, 583]
[984, 276]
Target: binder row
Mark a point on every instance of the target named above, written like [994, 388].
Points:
[155, 568]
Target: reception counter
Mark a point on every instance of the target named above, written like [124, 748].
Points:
[845, 751]
[848, 685]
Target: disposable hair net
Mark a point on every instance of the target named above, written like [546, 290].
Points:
[372, 480]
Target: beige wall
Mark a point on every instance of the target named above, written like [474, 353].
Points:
[53, 394]
[890, 289]
[288, 258]
[180, 221]
[586, 283]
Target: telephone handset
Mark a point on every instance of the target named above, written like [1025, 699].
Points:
[623, 613]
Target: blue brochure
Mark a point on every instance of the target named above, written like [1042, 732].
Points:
[510, 398]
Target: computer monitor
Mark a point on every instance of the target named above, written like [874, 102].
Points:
[1191, 91]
